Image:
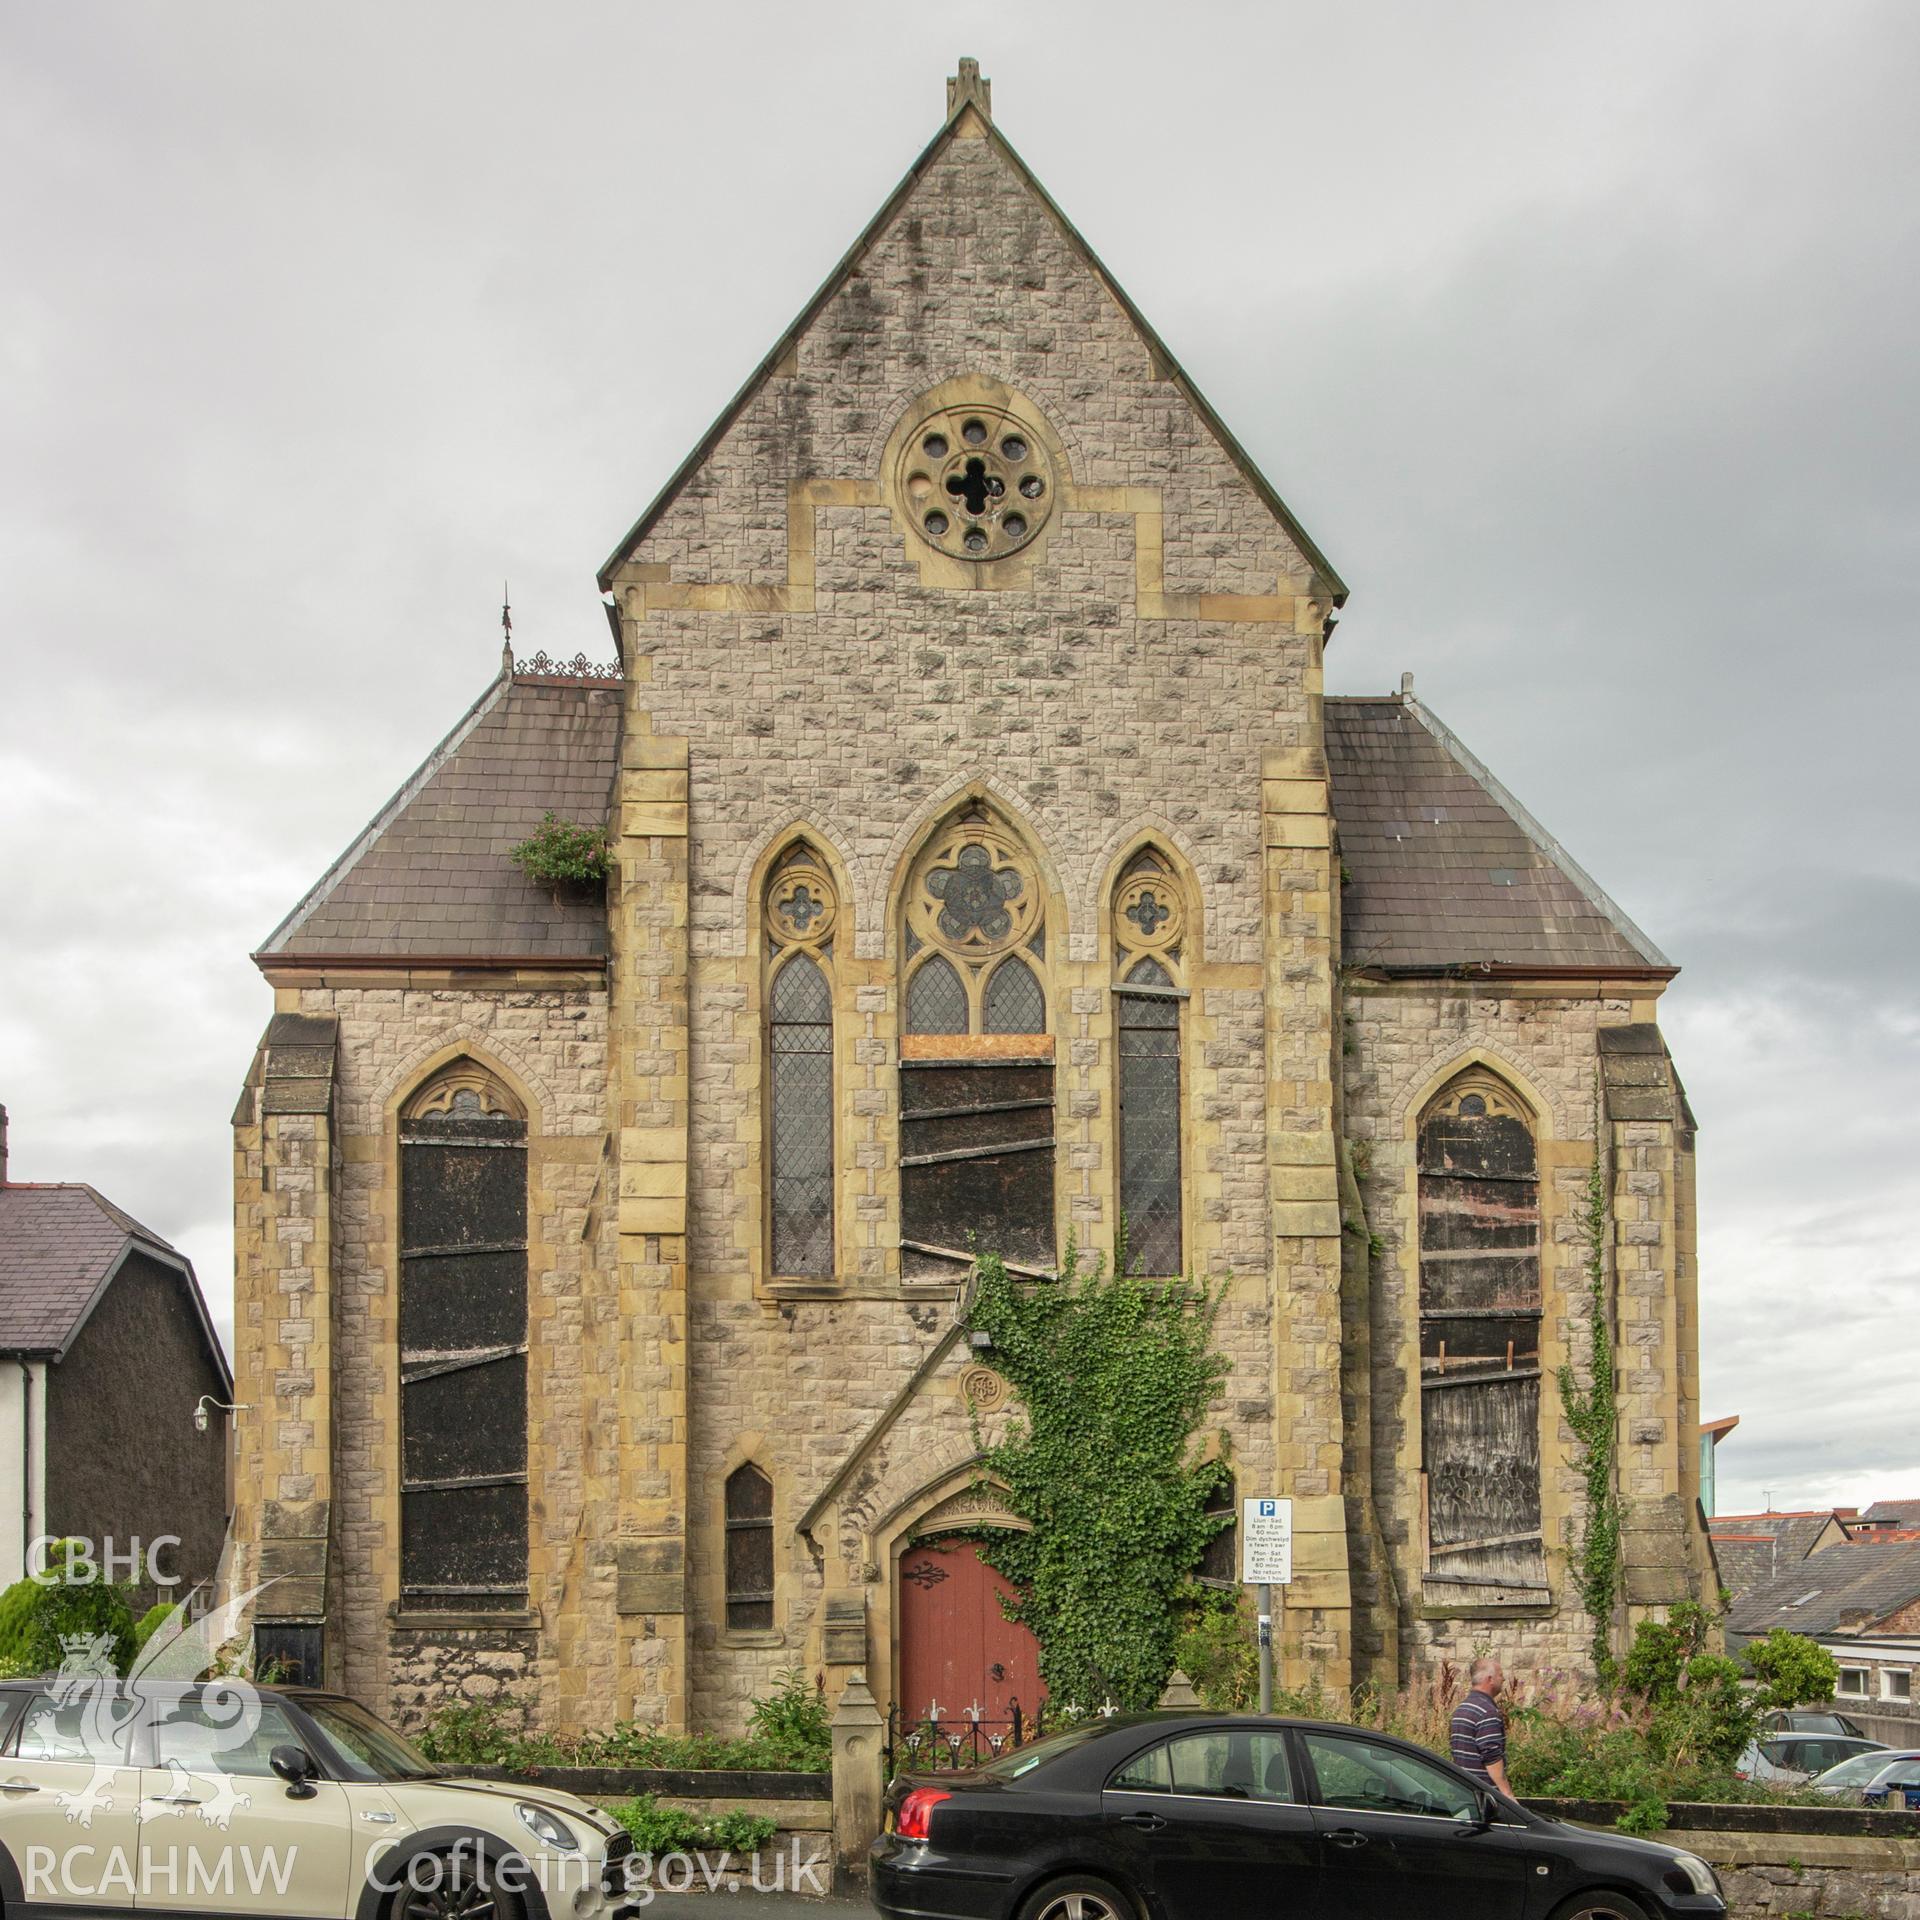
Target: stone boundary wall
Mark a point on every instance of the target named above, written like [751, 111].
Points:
[717, 1788]
[1790, 1862]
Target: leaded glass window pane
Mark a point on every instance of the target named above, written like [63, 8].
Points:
[936, 998]
[749, 1571]
[1149, 1046]
[1014, 1002]
[801, 1033]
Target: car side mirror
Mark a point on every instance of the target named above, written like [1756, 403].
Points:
[295, 1766]
[1489, 1810]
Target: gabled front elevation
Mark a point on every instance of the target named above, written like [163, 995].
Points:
[988, 864]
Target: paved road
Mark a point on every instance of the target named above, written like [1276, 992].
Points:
[754, 1906]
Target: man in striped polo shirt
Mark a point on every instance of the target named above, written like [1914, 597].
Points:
[1478, 1733]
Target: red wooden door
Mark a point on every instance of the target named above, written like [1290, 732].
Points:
[957, 1649]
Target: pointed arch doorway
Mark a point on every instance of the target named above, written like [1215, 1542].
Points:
[958, 1652]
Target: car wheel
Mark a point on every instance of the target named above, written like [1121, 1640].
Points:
[1080, 1896]
[1604, 1905]
[454, 1892]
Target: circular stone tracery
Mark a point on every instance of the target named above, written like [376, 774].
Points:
[975, 481]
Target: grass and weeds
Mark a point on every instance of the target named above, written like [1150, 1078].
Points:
[787, 1733]
[657, 1829]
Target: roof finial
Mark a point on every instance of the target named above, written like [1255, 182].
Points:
[506, 631]
[966, 88]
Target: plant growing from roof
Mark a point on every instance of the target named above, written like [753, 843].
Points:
[564, 853]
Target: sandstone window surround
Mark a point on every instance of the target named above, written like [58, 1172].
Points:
[801, 918]
[463, 1344]
[976, 1051]
[1150, 921]
[1479, 1343]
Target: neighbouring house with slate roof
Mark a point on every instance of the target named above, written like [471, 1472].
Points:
[105, 1351]
[987, 865]
[1861, 1601]
[1753, 1549]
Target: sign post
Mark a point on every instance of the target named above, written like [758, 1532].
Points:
[1266, 1562]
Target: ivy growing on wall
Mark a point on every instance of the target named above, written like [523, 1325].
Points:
[1112, 1377]
[1594, 1418]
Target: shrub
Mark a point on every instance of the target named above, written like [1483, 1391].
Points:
[1217, 1650]
[657, 1829]
[790, 1734]
[1792, 1669]
[793, 1720]
[36, 1618]
[562, 853]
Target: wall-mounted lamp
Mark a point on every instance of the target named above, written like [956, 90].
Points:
[980, 1340]
[201, 1418]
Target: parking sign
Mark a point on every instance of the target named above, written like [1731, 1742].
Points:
[1266, 1542]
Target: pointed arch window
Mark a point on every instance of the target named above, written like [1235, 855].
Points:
[801, 912]
[1480, 1338]
[749, 1571]
[463, 1344]
[976, 1056]
[1149, 928]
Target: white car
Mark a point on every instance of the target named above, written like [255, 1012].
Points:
[223, 1797]
[1792, 1759]
[1866, 1773]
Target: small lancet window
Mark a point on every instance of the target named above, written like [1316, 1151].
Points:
[749, 1570]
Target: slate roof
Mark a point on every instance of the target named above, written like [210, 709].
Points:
[1445, 868]
[1893, 1513]
[430, 877]
[1843, 1589]
[1755, 1548]
[58, 1245]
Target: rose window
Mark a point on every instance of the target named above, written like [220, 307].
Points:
[975, 481]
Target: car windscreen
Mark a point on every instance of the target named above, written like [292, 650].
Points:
[1023, 1760]
[1855, 1772]
[368, 1748]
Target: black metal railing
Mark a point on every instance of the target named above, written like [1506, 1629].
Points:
[941, 1740]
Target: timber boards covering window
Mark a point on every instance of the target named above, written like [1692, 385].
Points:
[976, 1059]
[749, 1551]
[1480, 1342]
[463, 1347]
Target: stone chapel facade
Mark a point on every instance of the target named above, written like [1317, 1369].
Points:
[988, 862]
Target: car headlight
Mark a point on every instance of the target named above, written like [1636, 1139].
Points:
[1699, 1874]
[547, 1827]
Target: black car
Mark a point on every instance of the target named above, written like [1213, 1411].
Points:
[1802, 1720]
[1203, 1817]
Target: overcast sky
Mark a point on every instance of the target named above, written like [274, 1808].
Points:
[1581, 338]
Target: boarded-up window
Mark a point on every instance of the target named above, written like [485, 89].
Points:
[976, 1064]
[1480, 1339]
[749, 1550]
[1220, 1565]
[463, 1346]
[802, 911]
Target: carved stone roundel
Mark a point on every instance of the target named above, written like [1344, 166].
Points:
[984, 1389]
[975, 481]
[801, 906]
[1148, 913]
